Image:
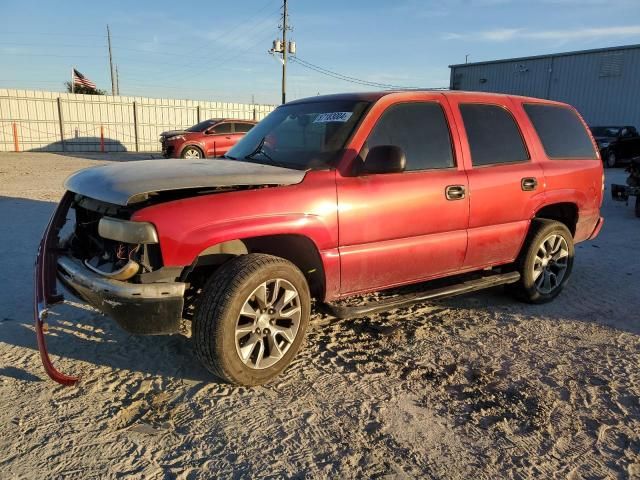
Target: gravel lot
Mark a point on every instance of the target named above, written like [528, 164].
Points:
[474, 387]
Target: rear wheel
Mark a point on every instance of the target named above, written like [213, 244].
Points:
[545, 262]
[251, 319]
[192, 152]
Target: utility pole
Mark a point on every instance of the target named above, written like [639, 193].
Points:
[284, 52]
[283, 47]
[113, 83]
[117, 81]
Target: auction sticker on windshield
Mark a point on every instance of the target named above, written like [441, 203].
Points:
[333, 117]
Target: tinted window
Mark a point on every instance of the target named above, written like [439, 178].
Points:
[308, 135]
[600, 131]
[243, 127]
[493, 135]
[221, 128]
[420, 129]
[202, 126]
[561, 132]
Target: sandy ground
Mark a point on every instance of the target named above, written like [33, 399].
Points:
[473, 387]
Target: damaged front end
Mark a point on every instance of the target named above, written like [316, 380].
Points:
[112, 263]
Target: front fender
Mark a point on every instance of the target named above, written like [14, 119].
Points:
[185, 248]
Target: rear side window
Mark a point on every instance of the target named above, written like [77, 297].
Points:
[493, 135]
[243, 127]
[561, 132]
[420, 129]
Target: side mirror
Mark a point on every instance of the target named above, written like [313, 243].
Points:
[385, 159]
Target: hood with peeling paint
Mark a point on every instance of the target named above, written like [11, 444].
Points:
[120, 183]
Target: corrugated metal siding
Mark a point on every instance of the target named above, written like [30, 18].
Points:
[604, 85]
[37, 120]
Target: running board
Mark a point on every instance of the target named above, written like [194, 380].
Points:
[417, 297]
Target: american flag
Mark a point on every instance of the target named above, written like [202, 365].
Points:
[80, 79]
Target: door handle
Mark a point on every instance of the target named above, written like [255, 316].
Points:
[529, 184]
[455, 192]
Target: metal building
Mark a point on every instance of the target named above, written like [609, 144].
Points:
[603, 84]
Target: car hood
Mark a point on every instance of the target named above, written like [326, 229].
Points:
[125, 183]
[604, 139]
[170, 133]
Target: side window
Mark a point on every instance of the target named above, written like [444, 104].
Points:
[493, 135]
[221, 128]
[420, 129]
[243, 127]
[561, 132]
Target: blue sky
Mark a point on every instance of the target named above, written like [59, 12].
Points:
[217, 50]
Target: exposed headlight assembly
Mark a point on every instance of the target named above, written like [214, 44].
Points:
[604, 144]
[126, 231]
[175, 137]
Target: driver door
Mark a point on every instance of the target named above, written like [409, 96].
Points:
[218, 139]
[398, 228]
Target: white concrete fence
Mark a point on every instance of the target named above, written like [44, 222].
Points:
[65, 122]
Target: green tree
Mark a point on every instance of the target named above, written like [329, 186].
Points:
[84, 90]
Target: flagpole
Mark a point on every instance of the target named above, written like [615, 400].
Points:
[73, 83]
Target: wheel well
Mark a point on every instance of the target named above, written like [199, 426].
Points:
[298, 249]
[566, 213]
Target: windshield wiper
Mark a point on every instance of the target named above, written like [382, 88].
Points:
[260, 150]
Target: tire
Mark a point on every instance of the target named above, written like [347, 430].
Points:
[611, 159]
[192, 152]
[638, 206]
[235, 288]
[532, 286]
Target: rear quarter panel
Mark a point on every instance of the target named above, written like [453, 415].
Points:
[577, 181]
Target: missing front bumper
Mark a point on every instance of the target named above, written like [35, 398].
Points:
[143, 309]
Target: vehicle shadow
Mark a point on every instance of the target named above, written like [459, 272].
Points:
[89, 148]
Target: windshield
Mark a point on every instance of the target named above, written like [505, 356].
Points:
[605, 131]
[301, 135]
[202, 126]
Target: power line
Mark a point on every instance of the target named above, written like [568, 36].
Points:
[204, 68]
[228, 34]
[348, 78]
[18, 54]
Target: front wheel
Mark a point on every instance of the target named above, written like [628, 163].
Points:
[545, 262]
[251, 318]
[191, 152]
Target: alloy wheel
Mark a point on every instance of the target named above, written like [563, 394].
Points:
[550, 264]
[268, 323]
[191, 153]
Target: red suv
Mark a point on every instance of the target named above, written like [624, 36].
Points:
[325, 198]
[211, 138]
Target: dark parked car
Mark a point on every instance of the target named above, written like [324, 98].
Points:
[211, 138]
[617, 143]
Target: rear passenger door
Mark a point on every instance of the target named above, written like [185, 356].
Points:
[504, 182]
[398, 228]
